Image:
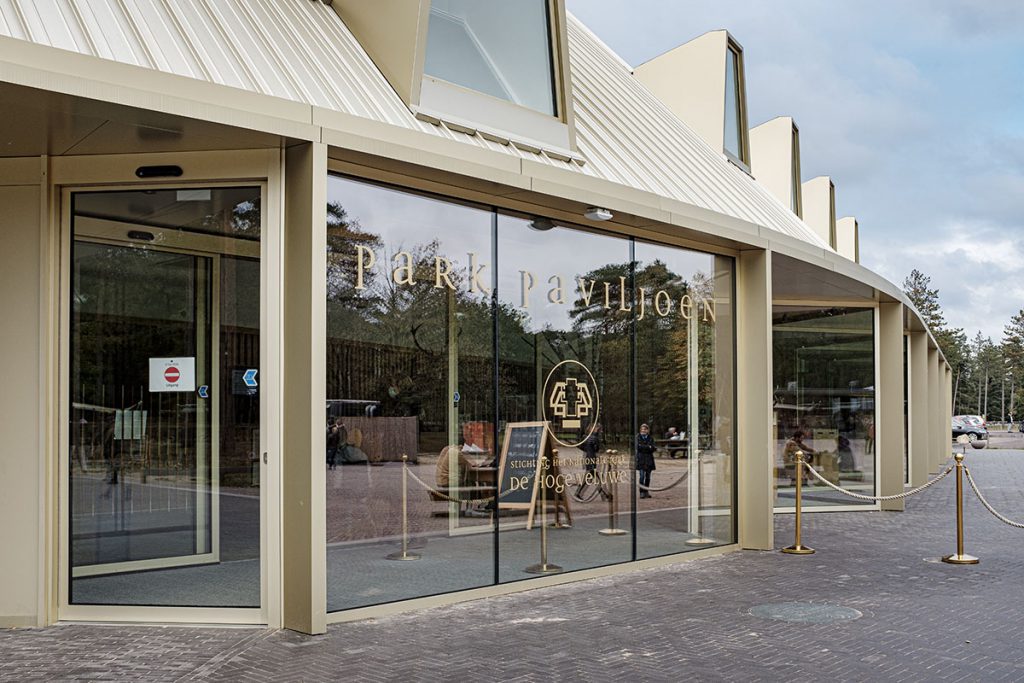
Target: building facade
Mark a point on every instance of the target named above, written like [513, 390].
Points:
[319, 311]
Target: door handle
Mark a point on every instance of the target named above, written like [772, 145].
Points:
[264, 457]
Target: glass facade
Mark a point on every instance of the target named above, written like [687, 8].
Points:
[163, 475]
[824, 403]
[502, 49]
[512, 364]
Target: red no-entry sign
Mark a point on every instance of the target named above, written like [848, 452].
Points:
[172, 374]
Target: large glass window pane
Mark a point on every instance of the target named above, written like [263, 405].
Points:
[684, 344]
[409, 374]
[165, 419]
[495, 47]
[565, 357]
[824, 366]
[733, 102]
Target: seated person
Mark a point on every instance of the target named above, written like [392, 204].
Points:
[467, 475]
[794, 444]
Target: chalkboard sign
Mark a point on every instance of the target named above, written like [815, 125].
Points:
[520, 464]
[519, 475]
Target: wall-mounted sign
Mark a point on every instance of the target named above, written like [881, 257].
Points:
[172, 374]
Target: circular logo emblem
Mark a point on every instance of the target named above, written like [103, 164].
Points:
[571, 403]
[172, 374]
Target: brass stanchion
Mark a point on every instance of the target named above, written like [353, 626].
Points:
[544, 567]
[405, 555]
[699, 539]
[557, 524]
[960, 557]
[798, 548]
[613, 499]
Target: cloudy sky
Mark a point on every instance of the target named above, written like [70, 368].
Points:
[915, 108]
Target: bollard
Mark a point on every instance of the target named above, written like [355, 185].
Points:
[960, 557]
[405, 555]
[699, 539]
[543, 567]
[613, 500]
[798, 548]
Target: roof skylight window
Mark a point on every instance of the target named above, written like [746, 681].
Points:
[495, 47]
[735, 115]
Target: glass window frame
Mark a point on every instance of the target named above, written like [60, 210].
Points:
[499, 120]
[743, 159]
[631, 242]
[876, 360]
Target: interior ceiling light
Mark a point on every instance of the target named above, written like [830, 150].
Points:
[596, 213]
[542, 224]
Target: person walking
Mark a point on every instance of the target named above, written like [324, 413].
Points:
[645, 459]
[333, 442]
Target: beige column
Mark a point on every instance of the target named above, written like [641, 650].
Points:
[934, 411]
[755, 447]
[304, 537]
[948, 414]
[889, 403]
[920, 461]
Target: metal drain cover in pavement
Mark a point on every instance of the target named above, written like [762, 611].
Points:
[805, 612]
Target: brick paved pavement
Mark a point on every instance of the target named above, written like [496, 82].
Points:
[922, 620]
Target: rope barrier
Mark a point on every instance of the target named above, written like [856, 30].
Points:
[898, 496]
[987, 505]
[674, 484]
[450, 499]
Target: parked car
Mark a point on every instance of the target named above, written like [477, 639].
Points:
[974, 432]
[976, 420]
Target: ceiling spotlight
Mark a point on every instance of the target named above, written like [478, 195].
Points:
[542, 224]
[596, 213]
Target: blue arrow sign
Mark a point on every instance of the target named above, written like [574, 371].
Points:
[204, 391]
[250, 377]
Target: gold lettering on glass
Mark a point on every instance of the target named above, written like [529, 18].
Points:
[662, 297]
[622, 295]
[585, 292]
[709, 309]
[475, 271]
[365, 259]
[402, 275]
[686, 307]
[556, 294]
[528, 283]
[443, 273]
[642, 298]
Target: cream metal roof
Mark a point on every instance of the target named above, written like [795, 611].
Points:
[302, 51]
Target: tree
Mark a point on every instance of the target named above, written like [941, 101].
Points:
[1013, 352]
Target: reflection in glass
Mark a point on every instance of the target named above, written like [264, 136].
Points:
[453, 331]
[561, 311]
[733, 102]
[164, 494]
[497, 48]
[409, 372]
[824, 366]
[685, 396]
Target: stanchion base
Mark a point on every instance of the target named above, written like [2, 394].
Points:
[543, 569]
[403, 557]
[700, 540]
[960, 559]
[612, 532]
[798, 550]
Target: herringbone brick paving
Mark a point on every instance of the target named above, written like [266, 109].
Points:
[922, 620]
